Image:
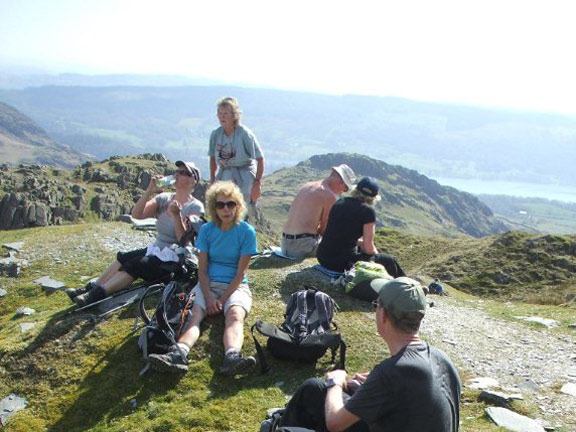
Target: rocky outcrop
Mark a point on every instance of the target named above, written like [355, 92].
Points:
[35, 195]
[403, 187]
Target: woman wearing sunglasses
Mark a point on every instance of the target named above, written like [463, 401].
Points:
[172, 211]
[225, 246]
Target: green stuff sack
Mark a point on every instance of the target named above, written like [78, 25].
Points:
[364, 273]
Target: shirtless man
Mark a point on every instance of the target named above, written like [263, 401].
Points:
[309, 212]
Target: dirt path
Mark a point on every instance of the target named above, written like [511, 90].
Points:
[512, 353]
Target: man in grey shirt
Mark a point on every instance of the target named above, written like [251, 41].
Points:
[417, 389]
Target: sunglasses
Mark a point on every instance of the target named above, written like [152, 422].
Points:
[230, 204]
[376, 304]
[183, 172]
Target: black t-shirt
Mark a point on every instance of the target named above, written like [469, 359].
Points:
[345, 226]
[416, 390]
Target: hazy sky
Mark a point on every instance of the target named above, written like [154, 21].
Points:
[507, 53]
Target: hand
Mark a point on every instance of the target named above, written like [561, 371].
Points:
[213, 306]
[339, 377]
[355, 382]
[174, 209]
[256, 191]
[152, 188]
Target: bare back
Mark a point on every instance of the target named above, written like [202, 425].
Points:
[309, 210]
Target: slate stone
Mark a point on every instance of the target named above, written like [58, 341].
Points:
[3, 292]
[529, 385]
[26, 326]
[24, 311]
[569, 388]
[11, 405]
[513, 421]
[498, 398]
[481, 383]
[14, 246]
[49, 284]
[11, 266]
[544, 321]
[572, 325]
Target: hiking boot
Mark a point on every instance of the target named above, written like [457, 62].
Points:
[94, 295]
[75, 292]
[235, 364]
[173, 361]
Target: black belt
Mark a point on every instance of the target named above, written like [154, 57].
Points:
[298, 236]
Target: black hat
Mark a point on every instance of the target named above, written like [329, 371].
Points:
[368, 186]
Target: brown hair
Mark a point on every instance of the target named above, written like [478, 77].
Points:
[231, 103]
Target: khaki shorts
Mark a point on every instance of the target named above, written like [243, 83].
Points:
[241, 297]
[300, 248]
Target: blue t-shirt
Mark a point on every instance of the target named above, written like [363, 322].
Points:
[224, 249]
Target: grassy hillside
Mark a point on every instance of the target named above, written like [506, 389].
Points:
[81, 374]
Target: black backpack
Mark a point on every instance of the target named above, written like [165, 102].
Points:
[306, 333]
[171, 318]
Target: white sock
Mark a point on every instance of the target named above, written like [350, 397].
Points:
[232, 350]
[184, 348]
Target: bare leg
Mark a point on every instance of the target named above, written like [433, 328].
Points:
[117, 282]
[109, 273]
[191, 335]
[234, 328]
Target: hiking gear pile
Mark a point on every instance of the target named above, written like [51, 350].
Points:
[364, 273]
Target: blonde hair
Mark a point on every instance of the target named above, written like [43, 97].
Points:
[364, 198]
[231, 103]
[229, 190]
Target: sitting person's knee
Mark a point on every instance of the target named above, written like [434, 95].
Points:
[235, 313]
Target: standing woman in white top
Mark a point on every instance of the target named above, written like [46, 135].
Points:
[154, 263]
[235, 154]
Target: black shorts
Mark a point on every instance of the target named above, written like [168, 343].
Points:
[150, 268]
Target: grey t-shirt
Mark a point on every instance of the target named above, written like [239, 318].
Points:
[237, 150]
[166, 234]
[416, 390]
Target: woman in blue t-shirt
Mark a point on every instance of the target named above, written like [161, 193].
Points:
[225, 246]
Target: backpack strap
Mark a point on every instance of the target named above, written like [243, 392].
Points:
[264, 366]
[323, 302]
[301, 329]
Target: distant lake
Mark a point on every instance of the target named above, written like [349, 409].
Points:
[548, 191]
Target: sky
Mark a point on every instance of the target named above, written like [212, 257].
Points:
[504, 53]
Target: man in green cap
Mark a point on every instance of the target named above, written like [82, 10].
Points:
[416, 389]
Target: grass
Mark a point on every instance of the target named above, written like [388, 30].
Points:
[82, 374]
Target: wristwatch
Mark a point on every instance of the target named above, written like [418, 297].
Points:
[331, 383]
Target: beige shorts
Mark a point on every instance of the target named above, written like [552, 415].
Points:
[300, 248]
[241, 297]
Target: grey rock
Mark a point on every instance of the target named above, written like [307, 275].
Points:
[544, 321]
[482, 383]
[498, 398]
[572, 325]
[513, 421]
[11, 405]
[529, 385]
[3, 292]
[24, 311]
[569, 388]
[26, 326]
[49, 284]
[14, 246]
[11, 266]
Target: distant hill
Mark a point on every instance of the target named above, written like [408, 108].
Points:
[438, 140]
[411, 202]
[23, 141]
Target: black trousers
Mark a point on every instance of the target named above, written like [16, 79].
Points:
[306, 408]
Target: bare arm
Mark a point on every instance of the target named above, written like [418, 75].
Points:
[213, 167]
[175, 212]
[338, 418]
[328, 203]
[256, 191]
[243, 265]
[146, 206]
[366, 243]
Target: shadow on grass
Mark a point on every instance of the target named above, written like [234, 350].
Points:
[272, 262]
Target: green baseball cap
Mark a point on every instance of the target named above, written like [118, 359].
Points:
[400, 295]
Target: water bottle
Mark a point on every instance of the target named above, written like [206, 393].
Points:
[166, 182]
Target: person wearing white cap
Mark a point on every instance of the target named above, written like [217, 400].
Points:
[173, 212]
[416, 389]
[309, 211]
